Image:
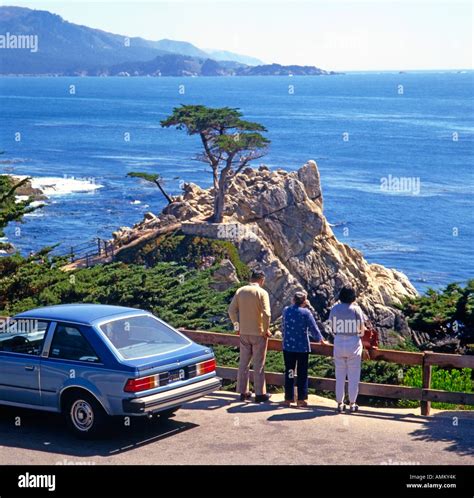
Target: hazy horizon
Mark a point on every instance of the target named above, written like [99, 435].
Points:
[341, 35]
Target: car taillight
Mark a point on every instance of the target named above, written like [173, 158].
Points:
[142, 384]
[206, 367]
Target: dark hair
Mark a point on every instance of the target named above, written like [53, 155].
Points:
[347, 294]
[257, 275]
[299, 298]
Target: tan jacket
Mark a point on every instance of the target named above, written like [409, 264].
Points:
[250, 307]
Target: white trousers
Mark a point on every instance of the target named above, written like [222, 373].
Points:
[347, 360]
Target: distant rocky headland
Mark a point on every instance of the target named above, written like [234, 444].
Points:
[39, 43]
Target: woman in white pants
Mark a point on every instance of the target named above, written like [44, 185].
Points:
[347, 322]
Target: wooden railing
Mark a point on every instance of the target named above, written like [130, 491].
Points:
[426, 360]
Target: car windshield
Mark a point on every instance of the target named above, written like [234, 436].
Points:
[140, 336]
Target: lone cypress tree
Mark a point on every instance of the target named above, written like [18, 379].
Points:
[229, 143]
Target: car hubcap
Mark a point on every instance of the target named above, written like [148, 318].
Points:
[82, 415]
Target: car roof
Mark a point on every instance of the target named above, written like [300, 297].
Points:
[79, 313]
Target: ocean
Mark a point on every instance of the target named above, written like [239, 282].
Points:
[395, 152]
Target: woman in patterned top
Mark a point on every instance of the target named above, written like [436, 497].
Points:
[298, 326]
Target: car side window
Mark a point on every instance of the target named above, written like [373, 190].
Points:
[23, 336]
[69, 344]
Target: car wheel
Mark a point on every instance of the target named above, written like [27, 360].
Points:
[84, 415]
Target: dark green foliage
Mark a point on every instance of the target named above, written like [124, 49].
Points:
[380, 372]
[188, 250]
[407, 345]
[10, 210]
[196, 119]
[177, 294]
[450, 311]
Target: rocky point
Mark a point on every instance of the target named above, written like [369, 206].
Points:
[276, 221]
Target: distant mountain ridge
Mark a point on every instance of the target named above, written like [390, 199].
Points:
[68, 49]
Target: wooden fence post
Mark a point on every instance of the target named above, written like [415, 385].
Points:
[426, 384]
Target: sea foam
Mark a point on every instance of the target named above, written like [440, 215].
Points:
[52, 185]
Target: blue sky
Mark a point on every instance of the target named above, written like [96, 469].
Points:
[335, 35]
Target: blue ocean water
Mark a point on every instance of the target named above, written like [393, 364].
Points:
[361, 128]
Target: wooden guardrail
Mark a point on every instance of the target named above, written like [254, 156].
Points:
[426, 360]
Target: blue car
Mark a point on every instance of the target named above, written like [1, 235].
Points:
[92, 361]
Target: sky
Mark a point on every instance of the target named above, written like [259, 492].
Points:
[339, 35]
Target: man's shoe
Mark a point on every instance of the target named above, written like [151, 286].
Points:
[354, 408]
[301, 403]
[245, 396]
[287, 403]
[262, 398]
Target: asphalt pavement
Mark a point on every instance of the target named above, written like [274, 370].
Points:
[219, 429]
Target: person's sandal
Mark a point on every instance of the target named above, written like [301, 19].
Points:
[341, 407]
[287, 403]
[301, 403]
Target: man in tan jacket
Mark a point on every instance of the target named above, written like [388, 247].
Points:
[250, 314]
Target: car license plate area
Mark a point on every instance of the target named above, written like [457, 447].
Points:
[176, 375]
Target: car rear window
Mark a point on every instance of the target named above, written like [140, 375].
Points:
[141, 336]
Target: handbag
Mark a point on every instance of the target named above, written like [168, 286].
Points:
[370, 339]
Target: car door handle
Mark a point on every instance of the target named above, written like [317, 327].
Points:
[29, 367]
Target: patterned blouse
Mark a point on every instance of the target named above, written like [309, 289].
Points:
[298, 326]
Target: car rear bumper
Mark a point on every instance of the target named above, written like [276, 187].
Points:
[171, 398]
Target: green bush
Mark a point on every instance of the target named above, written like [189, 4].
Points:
[454, 380]
[183, 249]
[445, 312]
[176, 293]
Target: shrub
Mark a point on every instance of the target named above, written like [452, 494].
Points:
[454, 380]
[187, 250]
[177, 294]
[450, 311]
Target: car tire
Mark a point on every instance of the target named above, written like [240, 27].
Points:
[84, 415]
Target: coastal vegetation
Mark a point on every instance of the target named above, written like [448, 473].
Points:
[191, 251]
[178, 294]
[448, 312]
[11, 208]
[455, 380]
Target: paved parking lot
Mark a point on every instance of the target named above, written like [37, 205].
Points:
[227, 431]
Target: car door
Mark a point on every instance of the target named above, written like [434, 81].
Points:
[21, 344]
[67, 355]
